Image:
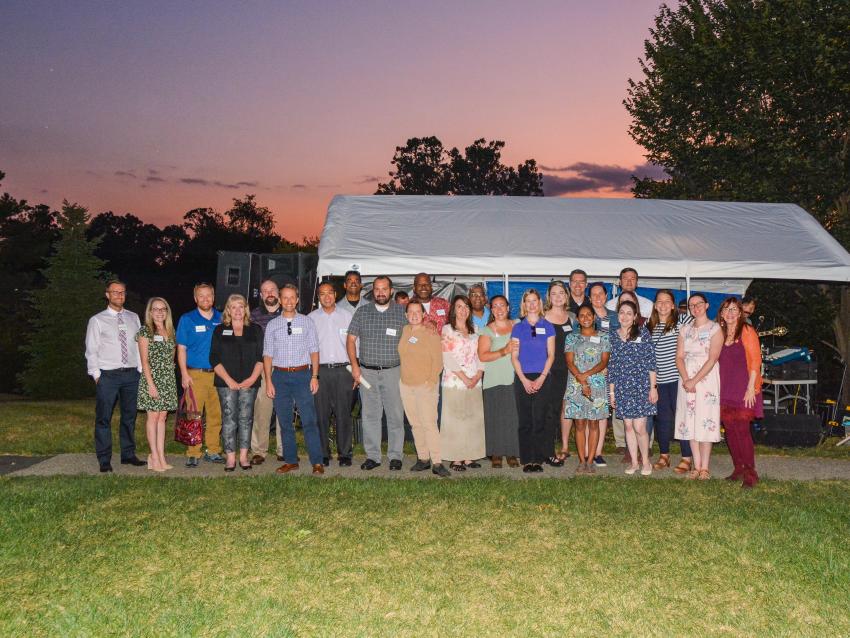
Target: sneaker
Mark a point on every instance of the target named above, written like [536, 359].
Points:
[213, 458]
[420, 466]
[192, 461]
[395, 464]
[599, 461]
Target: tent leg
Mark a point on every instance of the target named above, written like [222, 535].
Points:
[505, 284]
[688, 286]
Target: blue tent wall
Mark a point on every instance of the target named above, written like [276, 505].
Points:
[516, 288]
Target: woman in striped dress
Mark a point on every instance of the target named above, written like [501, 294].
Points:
[663, 326]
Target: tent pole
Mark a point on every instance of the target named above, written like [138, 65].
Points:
[506, 287]
[688, 286]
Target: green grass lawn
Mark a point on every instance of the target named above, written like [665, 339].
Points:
[54, 427]
[273, 556]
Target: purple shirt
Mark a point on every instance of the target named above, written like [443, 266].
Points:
[532, 349]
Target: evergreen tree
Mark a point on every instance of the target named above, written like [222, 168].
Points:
[74, 291]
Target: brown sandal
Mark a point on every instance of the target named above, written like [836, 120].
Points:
[513, 461]
[684, 466]
[496, 461]
[663, 462]
[692, 475]
[704, 475]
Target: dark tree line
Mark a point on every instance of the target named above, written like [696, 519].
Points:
[749, 100]
[165, 261]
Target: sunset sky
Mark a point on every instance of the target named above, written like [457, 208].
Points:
[155, 108]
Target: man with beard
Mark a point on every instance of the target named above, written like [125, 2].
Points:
[268, 309]
[478, 301]
[436, 308]
[578, 286]
[629, 283]
[353, 285]
[194, 337]
[378, 327]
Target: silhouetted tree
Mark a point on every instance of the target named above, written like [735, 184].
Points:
[424, 167]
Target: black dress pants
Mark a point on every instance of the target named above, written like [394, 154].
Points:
[116, 386]
[531, 409]
[335, 397]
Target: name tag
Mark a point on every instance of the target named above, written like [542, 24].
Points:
[595, 339]
[441, 312]
[638, 340]
[540, 331]
[391, 332]
[200, 328]
[703, 334]
[297, 331]
[413, 340]
[568, 327]
[158, 338]
[605, 323]
[227, 333]
[343, 332]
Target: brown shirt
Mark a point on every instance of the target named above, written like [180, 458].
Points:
[421, 359]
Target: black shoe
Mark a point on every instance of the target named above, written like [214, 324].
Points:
[192, 461]
[537, 467]
[229, 469]
[326, 461]
[106, 467]
[420, 466]
[246, 467]
[554, 461]
[395, 464]
[440, 470]
[133, 460]
[280, 458]
[345, 461]
[528, 468]
[369, 464]
[474, 465]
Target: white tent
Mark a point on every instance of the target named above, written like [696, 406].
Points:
[706, 245]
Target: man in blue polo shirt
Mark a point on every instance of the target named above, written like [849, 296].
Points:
[194, 336]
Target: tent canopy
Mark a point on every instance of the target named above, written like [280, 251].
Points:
[544, 236]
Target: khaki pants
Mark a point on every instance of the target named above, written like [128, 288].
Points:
[263, 408]
[619, 429]
[206, 397]
[420, 404]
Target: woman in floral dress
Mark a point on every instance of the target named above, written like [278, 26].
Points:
[698, 406]
[158, 385]
[462, 416]
[585, 400]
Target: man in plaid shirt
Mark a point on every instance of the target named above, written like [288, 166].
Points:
[378, 326]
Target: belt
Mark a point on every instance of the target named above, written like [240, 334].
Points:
[332, 365]
[120, 369]
[363, 365]
[201, 369]
[291, 369]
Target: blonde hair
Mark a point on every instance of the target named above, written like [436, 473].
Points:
[530, 291]
[169, 322]
[226, 319]
[547, 305]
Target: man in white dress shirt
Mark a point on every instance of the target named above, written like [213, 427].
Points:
[629, 282]
[336, 387]
[112, 358]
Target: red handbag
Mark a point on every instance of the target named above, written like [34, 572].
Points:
[189, 428]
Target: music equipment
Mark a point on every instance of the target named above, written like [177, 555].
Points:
[788, 354]
[778, 331]
[789, 430]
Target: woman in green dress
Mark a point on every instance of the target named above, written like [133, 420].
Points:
[158, 385]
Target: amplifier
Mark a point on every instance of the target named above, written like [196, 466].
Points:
[789, 430]
[793, 370]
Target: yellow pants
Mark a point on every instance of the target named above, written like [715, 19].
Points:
[207, 399]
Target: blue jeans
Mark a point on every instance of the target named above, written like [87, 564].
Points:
[115, 385]
[666, 418]
[293, 388]
[237, 417]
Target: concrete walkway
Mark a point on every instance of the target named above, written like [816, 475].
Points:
[769, 467]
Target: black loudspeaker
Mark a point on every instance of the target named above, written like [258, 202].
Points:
[790, 430]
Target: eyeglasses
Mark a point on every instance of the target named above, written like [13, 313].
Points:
[159, 309]
[696, 304]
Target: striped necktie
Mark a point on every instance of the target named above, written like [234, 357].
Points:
[122, 339]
